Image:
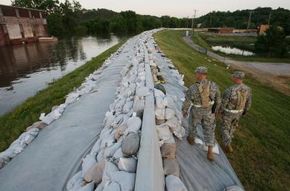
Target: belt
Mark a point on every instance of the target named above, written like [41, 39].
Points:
[234, 111]
[198, 106]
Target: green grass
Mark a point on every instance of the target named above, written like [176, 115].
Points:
[242, 42]
[262, 155]
[15, 122]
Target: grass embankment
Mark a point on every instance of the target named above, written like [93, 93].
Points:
[15, 122]
[262, 157]
[207, 40]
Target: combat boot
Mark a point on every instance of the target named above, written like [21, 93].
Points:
[210, 154]
[229, 148]
[190, 140]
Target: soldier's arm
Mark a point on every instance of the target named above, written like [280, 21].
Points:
[187, 103]
[248, 102]
[225, 99]
[217, 99]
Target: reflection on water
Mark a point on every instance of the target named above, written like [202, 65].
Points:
[26, 69]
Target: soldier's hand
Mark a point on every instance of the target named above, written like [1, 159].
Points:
[185, 114]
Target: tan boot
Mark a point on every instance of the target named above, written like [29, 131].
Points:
[210, 154]
[229, 148]
[190, 140]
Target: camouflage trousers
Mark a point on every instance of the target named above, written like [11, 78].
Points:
[230, 122]
[204, 118]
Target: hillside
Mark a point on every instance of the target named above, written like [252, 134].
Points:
[239, 19]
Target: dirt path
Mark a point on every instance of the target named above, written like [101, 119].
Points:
[275, 75]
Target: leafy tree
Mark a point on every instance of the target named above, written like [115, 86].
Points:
[273, 43]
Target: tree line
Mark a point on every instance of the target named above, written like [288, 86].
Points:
[240, 19]
[69, 18]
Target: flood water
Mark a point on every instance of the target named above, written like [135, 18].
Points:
[27, 69]
[230, 50]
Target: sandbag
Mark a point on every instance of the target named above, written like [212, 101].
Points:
[142, 91]
[138, 106]
[38, 125]
[160, 113]
[107, 141]
[112, 186]
[96, 148]
[233, 188]
[127, 164]
[169, 102]
[125, 179]
[87, 187]
[109, 118]
[159, 102]
[174, 183]
[109, 170]
[168, 151]
[128, 106]
[169, 113]
[87, 163]
[110, 151]
[134, 124]
[175, 127]
[118, 154]
[158, 93]
[95, 173]
[163, 132]
[161, 88]
[171, 167]
[130, 144]
[74, 181]
[71, 97]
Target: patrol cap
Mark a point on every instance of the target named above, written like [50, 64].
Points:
[201, 70]
[238, 74]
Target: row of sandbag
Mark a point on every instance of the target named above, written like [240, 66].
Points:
[112, 161]
[88, 86]
[168, 124]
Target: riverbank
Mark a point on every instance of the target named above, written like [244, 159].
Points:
[261, 158]
[15, 122]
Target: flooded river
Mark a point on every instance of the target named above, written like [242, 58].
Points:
[27, 69]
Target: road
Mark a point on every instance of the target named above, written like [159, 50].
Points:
[276, 75]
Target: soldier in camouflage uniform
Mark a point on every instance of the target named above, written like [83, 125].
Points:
[236, 102]
[204, 96]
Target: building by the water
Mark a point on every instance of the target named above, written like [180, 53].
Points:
[21, 25]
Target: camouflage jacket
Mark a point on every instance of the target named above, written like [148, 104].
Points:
[237, 97]
[203, 93]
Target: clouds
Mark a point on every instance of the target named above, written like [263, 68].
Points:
[178, 8]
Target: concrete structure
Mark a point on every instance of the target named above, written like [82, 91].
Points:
[21, 25]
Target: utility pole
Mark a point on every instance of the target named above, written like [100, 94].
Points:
[249, 20]
[210, 19]
[193, 18]
[269, 19]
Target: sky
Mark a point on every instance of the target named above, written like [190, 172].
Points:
[178, 8]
